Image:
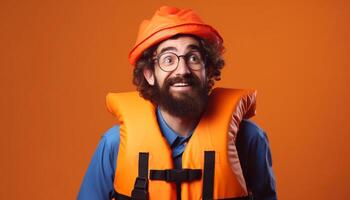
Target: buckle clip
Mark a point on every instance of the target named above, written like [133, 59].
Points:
[176, 175]
[140, 191]
[141, 183]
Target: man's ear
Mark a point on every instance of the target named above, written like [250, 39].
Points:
[149, 75]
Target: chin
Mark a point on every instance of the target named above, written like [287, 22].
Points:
[182, 94]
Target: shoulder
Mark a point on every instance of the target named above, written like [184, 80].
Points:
[107, 150]
[111, 136]
[102, 168]
[256, 161]
[109, 143]
[251, 129]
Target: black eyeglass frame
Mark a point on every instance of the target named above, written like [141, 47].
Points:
[185, 56]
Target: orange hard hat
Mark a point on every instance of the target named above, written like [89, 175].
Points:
[167, 22]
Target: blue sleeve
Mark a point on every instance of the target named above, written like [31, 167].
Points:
[99, 177]
[255, 158]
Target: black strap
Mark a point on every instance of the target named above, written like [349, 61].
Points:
[239, 198]
[143, 164]
[119, 196]
[140, 191]
[208, 178]
[176, 175]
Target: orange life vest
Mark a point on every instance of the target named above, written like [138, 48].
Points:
[216, 131]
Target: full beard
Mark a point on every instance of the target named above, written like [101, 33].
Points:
[189, 104]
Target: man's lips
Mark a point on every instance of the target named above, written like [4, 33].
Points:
[182, 84]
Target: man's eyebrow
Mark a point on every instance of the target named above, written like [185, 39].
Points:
[190, 47]
[193, 47]
[167, 49]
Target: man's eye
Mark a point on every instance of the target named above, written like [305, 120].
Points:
[193, 58]
[168, 60]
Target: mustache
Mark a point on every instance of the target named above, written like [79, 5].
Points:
[187, 78]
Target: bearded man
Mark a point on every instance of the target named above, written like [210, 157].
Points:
[178, 138]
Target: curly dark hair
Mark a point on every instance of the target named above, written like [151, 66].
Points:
[214, 62]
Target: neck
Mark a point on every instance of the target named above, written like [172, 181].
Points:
[181, 125]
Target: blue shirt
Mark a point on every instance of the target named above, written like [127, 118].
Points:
[252, 146]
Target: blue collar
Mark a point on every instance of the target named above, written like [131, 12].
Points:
[173, 138]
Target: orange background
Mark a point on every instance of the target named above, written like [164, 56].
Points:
[60, 58]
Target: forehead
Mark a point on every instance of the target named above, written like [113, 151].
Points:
[180, 44]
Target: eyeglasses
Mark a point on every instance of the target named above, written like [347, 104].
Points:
[169, 61]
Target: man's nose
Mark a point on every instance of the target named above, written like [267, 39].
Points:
[182, 67]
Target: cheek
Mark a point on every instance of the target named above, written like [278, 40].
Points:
[202, 75]
[160, 76]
